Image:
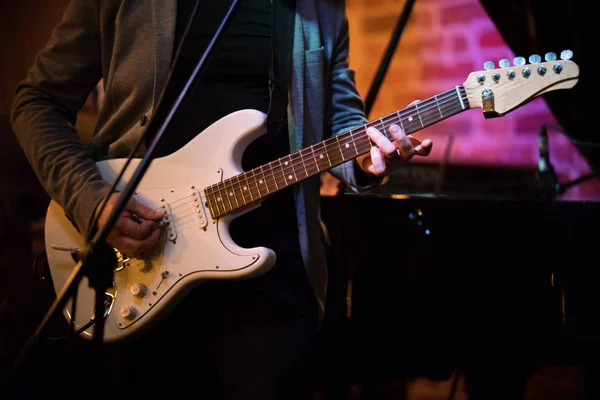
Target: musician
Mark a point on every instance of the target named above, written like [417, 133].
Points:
[249, 339]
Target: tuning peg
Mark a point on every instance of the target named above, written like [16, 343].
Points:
[504, 63]
[535, 59]
[518, 61]
[488, 65]
[566, 55]
[550, 56]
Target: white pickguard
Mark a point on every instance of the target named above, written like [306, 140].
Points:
[198, 252]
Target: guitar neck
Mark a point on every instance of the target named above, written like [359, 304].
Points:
[254, 185]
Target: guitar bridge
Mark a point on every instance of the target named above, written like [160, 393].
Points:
[197, 203]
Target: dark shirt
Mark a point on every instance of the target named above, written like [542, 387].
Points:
[235, 76]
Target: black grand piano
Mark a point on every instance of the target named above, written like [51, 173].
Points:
[500, 275]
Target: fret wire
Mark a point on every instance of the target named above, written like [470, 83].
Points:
[259, 194]
[320, 149]
[273, 173]
[300, 169]
[220, 198]
[438, 106]
[327, 154]
[382, 127]
[344, 147]
[248, 186]
[353, 141]
[419, 114]
[400, 119]
[239, 188]
[292, 167]
[257, 183]
[264, 179]
[284, 174]
[253, 172]
[337, 139]
[231, 192]
[227, 195]
[308, 157]
[234, 190]
[303, 163]
[315, 157]
[217, 201]
[274, 169]
[210, 201]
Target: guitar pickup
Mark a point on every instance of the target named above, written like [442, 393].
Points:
[168, 219]
[198, 206]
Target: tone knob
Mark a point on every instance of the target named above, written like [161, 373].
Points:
[144, 265]
[139, 290]
[129, 312]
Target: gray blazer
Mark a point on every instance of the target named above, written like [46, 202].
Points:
[129, 45]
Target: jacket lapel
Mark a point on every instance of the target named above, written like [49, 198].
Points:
[296, 107]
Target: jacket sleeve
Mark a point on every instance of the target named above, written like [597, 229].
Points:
[346, 110]
[45, 109]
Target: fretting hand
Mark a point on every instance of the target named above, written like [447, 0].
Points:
[388, 155]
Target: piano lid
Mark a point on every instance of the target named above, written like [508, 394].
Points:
[541, 26]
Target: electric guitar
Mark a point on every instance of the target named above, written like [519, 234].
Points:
[201, 188]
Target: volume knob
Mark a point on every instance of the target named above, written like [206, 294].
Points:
[139, 290]
[129, 312]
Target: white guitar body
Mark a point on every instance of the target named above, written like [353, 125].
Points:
[197, 249]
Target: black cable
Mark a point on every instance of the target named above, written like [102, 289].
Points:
[548, 177]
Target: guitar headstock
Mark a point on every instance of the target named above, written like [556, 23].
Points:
[500, 90]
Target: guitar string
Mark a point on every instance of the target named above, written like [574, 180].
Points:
[326, 145]
[436, 98]
[337, 158]
[279, 170]
[256, 172]
[230, 184]
[348, 136]
[269, 177]
[280, 180]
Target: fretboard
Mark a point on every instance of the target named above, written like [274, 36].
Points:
[254, 185]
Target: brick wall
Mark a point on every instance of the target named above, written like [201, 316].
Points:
[444, 41]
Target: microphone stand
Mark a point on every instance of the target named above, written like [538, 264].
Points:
[546, 175]
[98, 259]
[387, 57]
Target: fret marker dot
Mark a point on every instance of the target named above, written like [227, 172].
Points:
[410, 118]
[218, 199]
[260, 181]
[245, 188]
[230, 194]
[321, 156]
[286, 163]
[347, 145]
[290, 177]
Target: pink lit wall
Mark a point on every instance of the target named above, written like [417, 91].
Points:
[443, 42]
